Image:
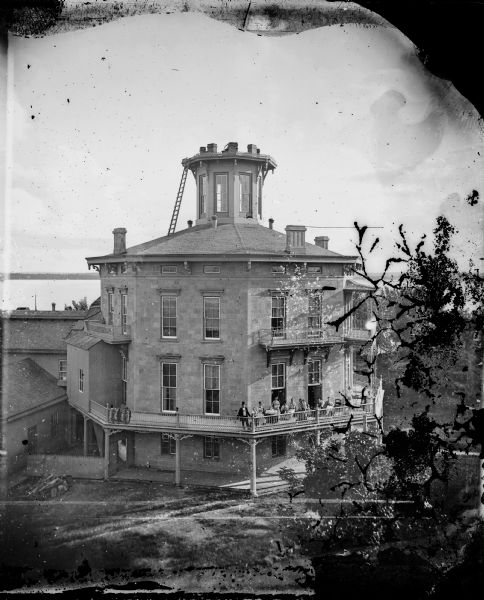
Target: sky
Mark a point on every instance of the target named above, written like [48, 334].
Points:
[102, 118]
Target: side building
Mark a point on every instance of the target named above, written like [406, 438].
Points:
[223, 312]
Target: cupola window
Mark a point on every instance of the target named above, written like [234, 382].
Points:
[221, 192]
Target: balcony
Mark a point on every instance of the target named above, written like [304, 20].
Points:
[298, 337]
[112, 334]
[353, 333]
[229, 426]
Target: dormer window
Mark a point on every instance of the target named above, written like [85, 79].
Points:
[245, 180]
[221, 192]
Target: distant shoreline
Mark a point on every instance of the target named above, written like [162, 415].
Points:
[51, 276]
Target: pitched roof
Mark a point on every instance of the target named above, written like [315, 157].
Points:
[27, 385]
[37, 334]
[80, 339]
[248, 239]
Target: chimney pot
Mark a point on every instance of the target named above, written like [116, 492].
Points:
[202, 149]
[252, 149]
[190, 223]
[119, 240]
[296, 238]
[214, 221]
[271, 223]
[53, 306]
[322, 241]
[212, 148]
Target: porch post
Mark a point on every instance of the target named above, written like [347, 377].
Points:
[318, 437]
[253, 479]
[365, 422]
[106, 454]
[177, 460]
[85, 437]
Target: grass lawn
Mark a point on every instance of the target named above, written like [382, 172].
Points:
[112, 533]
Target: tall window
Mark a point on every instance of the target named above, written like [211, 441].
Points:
[211, 318]
[62, 369]
[314, 383]
[360, 316]
[168, 316]
[54, 424]
[221, 192]
[278, 445]
[278, 382]
[168, 386]
[278, 315]
[124, 312]
[245, 180]
[259, 196]
[81, 380]
[211, 385]
[314, 314]
[168, 444]
[202, 194]
[110, 308]
[211, 448]
[124, 378]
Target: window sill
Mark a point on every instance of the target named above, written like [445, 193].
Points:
[169, 339]
[214, 341]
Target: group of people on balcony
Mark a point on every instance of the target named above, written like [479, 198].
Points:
[120, 414]
[260, 415]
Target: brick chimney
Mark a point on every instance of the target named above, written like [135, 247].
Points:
[53, 306]
[252, 149]
[119, 240]
[322, 241]
[212, 148]
[271, 223]
[296, 238]
[232, 147]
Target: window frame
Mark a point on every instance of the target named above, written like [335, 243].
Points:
[110, 308]
[212, 402]
[315, 313]
[167, 444]
[62, 370]
[202, 194]
[124, 311]
[206, 319]
[213, 444]
[170, 297]
[215, 196]
[278, 375]
[259, 196]
[278, 331]
[124, 377]
[165, 269]
[311, 381]
[168, 387]
[249, 212]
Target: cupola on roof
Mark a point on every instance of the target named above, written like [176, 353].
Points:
[229, 183]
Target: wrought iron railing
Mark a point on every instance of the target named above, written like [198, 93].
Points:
[284, 422]
[107, 332]
[299, 336]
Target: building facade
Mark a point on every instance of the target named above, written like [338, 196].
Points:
[223, 312]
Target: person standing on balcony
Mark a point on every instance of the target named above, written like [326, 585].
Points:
[243, 415]
[258, 414]
[292, 406]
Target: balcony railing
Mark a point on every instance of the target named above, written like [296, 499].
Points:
[212, 424]
[353, 333]
[302, 336]
[109, 333]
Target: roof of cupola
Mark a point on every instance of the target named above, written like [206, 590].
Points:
[226, 239]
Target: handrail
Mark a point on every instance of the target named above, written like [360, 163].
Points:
[229, 424]
[298, 335]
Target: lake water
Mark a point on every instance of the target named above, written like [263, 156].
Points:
[22, 292]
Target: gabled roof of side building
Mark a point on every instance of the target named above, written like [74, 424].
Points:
[226, 239]
[27, 386]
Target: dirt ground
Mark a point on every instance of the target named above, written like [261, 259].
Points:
[116, 533]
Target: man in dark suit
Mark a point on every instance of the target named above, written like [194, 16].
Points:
[243, 415]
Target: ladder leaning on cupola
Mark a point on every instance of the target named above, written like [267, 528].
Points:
[179, 196]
